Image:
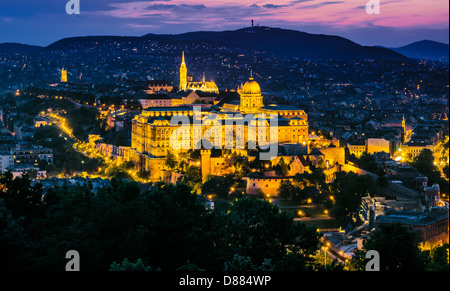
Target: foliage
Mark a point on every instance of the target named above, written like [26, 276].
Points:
[126, 265]
[189, 267]
[82, 121]
[382, 180]
[286, 189]
[241, 263]
[397, 247]
[367, 162]
[424, 163]
[242, 168]
[171, 161]
[283, 167]
[65, 158]
[348, 189]
[311, 186]
[165, 226]
[437, 259]
[218, 185]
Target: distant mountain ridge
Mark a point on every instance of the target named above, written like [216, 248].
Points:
[275, 41]
[289, 43]
[11, 48]
[425, 50]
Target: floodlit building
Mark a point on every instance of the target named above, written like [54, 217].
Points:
[63, 76]
[413, 148]
[186, 85]
[431, 227]
[152, 129]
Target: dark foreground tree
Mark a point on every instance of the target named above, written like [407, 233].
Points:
[397, 247]
[166, 227]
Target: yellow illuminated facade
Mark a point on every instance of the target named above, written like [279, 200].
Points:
[251, 98]
[152, 131]
[183, 75]
[205, 86]
[63, 76]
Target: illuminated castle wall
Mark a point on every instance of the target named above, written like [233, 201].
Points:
[152, 131]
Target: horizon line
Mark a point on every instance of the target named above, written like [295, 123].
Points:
[199, 31]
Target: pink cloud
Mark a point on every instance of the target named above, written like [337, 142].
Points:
[394, 13]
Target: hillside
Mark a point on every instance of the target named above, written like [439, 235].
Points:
[10, 48]
[289, 43]
[425, 50]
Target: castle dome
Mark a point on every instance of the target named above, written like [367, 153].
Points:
[251, 87]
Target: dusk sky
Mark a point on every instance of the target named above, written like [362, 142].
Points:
[400, 22]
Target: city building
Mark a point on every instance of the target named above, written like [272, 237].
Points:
[376, 145]
[156, 100]
[155, 86]
[30, 155]
[6, 161]
[431, 227]
[152, 129]
[356, 147]
[413, 148]
[185, 84]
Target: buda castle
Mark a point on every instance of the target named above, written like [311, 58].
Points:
[152, 131]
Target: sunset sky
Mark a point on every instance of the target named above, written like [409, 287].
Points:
[400, 22]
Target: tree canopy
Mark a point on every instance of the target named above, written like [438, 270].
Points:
[123, 227]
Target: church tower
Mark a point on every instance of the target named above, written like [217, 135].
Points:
[404, 124]
[183, 75]
[63, 76]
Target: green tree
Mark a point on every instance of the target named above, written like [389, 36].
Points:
[424, 163]
[128, 266]
[397, 247]
[218, 185]
[20, 197]
[367, 162]
[190, 267]
[241, 263]
[382, 180]
[242, 168]
[171, 161]
[15, 242]
[286, 189]
[283, 167]
[258, 230]
[438, 258]
[348, 189]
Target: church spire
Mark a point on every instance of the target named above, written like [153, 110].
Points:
[404, 124]
[183, 74]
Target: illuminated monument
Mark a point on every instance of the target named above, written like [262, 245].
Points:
[63, 76]
[183, 75]
[204, 86]
[152, 131]
[251, 98]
